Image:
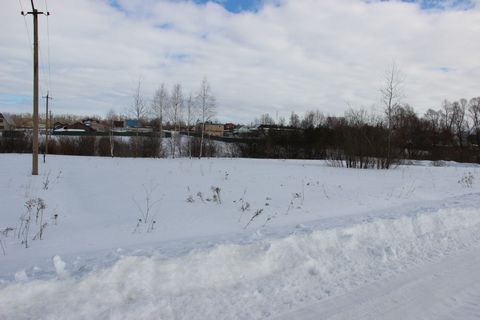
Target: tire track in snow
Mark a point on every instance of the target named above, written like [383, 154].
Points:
[445, 289]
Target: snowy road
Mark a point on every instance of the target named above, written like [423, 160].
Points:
[444, 289]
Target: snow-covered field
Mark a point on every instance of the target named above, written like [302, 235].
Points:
[313, 242]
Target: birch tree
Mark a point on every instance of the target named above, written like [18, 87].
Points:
[158, 107]
[175, 112]
[458, 118]
[111, 117]
[138, 109]
[191, 115]
[474, 113]
[206, 107]
[391, 93]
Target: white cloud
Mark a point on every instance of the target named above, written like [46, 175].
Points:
[291, 55]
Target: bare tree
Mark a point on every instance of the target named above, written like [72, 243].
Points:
[111, 118]
[433, 118]
[294, 120]
[266, 119]
[447, 115]
[391, 93]
[459, 109]
[191, 116]
[138, 109]
[312, 119]
[474, 113]
[206, 107]
[158, 107]
[175, 112]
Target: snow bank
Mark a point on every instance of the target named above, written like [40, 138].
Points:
[251, 281]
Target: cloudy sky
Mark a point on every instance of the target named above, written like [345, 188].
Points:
[260, 56]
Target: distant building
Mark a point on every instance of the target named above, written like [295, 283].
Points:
[118, 124]
[212, 129]
[94, 124]
[243, 130]
[265, 128]
[6, 122]
[229, 126]
[229, 129]
[59, 125]
[75, 127]
[132, 123]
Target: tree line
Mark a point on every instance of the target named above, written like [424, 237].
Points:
[363, 139]
[177, 111]
[167, 110]
[358, 139]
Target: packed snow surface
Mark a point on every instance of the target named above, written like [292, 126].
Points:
[239, 239]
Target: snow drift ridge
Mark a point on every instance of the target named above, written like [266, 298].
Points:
[275, 274]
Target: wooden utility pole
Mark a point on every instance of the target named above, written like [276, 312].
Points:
[35, 14]
[45, 151]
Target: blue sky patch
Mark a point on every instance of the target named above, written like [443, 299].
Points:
[116, 5]
[237, 6]
[445, 69]
[179, 56]
[443, 4]
[13, 99]
[164, 26]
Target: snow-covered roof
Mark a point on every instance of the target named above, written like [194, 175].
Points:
[69, 130]
[7, 118]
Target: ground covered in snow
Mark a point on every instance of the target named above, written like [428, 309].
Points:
[237, 239]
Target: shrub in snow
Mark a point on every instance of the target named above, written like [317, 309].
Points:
[55, 218]
[3, 247]
[152, 226]
[270, 218]
[46, 181]
[467, 180]
[216, 195]
[148, 203]
[37, 205]
[256, 214]
[40, 206]
[139, 221]
[438, 163]
[25, 220]
[244, 205]
[296, 197]
[6, 231]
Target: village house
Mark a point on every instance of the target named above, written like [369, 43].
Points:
[94, 124]
[212, 129]
[74, 127]
[228, 129]
[6, 122]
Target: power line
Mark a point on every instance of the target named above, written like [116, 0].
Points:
[43, 67]
[48, 49]
[26, 28]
